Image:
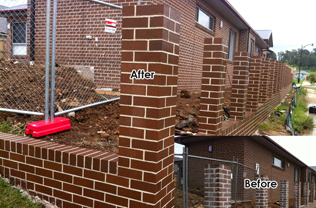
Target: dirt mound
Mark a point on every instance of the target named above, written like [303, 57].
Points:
[22, 87]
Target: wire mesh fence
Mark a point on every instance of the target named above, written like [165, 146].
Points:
[57, 57]
[86, 58]
[189, 180]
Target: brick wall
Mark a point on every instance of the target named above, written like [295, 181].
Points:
[142, 174]
[262, 196]
[213, 85]
[284, 194]
[217, 186]
[297, 195]
[240, 85]
[147, 112]
[306, 193]
[249, 152]
[254, 84]
[61, 174]
[77, 19]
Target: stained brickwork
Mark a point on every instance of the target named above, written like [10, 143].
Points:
[297, 195]
[213, 84]
[306, 193]
[217, 186]
[284, 194]
[262, 196]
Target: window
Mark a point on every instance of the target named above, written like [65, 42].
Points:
[204, 19]
[296, 173]
[309, 177]
[19, 38]
[231, 46]
[277, 162]
[251, 47]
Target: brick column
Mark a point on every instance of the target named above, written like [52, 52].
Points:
[150, 41]
[278, 80]
[213, 85]
[240, 85]
[284, 194]
[312, 192]
[254, 83]
[264, 81]
[217, 186]
[262, 196]
[273, 77]
[305, 193]
[297, 195]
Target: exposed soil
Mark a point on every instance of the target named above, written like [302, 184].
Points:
[22, 88]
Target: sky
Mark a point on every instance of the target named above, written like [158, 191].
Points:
[10, 3]
[302, 147]
[292, 22]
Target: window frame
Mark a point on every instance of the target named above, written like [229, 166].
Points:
[231, 50]
[19, 44]
[282, 162]
[211, 17]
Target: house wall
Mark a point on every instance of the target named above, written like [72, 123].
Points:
[79, 18]
[256, 153]
[249, 152]
[9, 52]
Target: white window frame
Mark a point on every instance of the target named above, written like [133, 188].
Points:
[275, 160]
[231, 46]
[19, 44]
[211, 19]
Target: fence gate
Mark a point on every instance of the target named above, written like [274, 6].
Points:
[189, 180]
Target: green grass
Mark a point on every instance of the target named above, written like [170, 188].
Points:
[295, 80]
[11, 198]
[8, 127]
[300, 121]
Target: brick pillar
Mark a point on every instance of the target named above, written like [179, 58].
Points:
[273, 77]
[297, 195]
[240, 85]
[217, 186]
[254, 84]
[305, 193]
[264, 82]
[312, 192]
[213, 85]
[262, 196]
[150, 41]
[278, 80]
[284, 194]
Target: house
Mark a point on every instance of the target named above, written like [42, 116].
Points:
[16, 29]
[266, 35]
[257, 153]
[81, 40]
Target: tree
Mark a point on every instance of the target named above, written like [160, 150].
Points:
[311, 78]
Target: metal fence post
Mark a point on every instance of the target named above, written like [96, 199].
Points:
[187, 177]
[47, 61]
[52, 100]
[236, 182]
[183, 175]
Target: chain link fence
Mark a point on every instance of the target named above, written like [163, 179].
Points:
[189, 180]
[56, 57]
